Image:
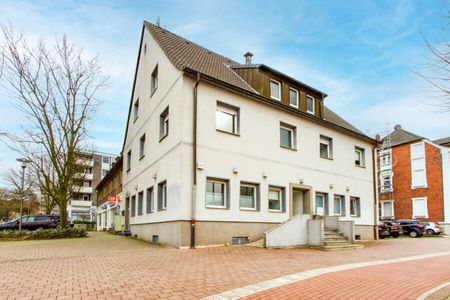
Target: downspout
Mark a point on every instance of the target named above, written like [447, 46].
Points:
[375, 189]
[194, 163]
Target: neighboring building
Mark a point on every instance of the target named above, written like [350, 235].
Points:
[96, 165]
[109, 193]
[234, 149]
[414, 178]
[443, 142]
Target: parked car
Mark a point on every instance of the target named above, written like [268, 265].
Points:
[432, 228]
[394, 228]
[413, 228]
[383, 231]
[32, 222]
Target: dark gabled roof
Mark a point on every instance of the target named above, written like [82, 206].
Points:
[443, 141]
[186, 56]
[400, 136]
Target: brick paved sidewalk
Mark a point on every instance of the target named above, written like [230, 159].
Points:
[406, 280]
[114, 267]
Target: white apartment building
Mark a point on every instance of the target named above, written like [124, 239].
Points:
[219, 152]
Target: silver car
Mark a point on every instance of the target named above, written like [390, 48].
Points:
[432, 228]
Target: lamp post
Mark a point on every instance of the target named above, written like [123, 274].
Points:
[24, 165]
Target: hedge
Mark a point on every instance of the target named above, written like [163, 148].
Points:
[42, 234]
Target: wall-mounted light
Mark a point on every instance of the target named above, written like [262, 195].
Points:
[331, 186]
[301, 181]
[347, 189]
[154, 176]
[235, 170]
[200, 165]
[264, 175]
[136, 187]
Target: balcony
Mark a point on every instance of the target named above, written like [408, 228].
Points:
[83, 189]
[86, 177]
[89, 163]
[81, 203]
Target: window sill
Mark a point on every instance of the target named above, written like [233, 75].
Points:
[128, 170]
[162, 209]
[247, 209]
[163, 137]
[275, 211]
[311, 112]
[140, 158]
[227, 132]
[276, 99]
[135, 119]
[293, 106]
[359, 166]
[419, 187]
[152, 92]
[216, 207]
[327, 158]
[288, 148]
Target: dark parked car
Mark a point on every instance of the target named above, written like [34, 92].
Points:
[33, 222]
[413, 228]
[394, 228]
[383, 231]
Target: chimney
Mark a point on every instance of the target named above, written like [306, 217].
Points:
[397, 127]
[248, 58]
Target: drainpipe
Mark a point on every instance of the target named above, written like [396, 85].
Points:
[194, 163]
[375, 189]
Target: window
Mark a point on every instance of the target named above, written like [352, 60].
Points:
[149, 204]
[275, 89]
[105, 159]
[216, 193]
[386, 183]
[140, 203]
[310, 106]
[339, 205]
[320, 204]
[227, 118]
[129, 161]
[387, 209]
[293, 97]
[136, 109]
[276, 199]
[248, 196]
[162, 195]
[420, 209]
[326, 147]
[164, 124]
[359, 157]
[142, 146]
[385, 158]
[133, 206]
[287, 136]
[154, 81]
[355, 209]
[418, 169]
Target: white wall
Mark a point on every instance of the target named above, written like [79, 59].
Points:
[446, 182]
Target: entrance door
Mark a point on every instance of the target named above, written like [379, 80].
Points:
[127, 214]
[320, 204]
[301, 201]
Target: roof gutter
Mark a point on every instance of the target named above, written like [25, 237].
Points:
[222, 84]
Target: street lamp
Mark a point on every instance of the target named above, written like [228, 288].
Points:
[24, 165]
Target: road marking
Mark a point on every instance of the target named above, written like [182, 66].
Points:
[432, 291]
[280, 281]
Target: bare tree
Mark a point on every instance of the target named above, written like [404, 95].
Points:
[54, 87]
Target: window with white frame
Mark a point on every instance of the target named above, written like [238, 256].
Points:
[227, 118]
[142, 146]
[359, 157]
[339, 205]
[418, 168]
[355, 206]
[275, 89]
[133, 206]
[387, 209]
[386, 182]
[154, 80]
[320, 204]
[287, 136]
[310, 104]
[136, 109]
[216, 193]
[326, 147]
[140, 203]
[385, 158]
[164, 124]
[149, 200]
[420, 208]
[293, 97]
[162, 195]
[248, 196]
[129, 160]
[275, 199]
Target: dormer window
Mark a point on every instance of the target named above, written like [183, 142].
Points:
[275, 89]
[310, 107]
[293, 97]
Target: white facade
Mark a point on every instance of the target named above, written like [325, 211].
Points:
[253, 155]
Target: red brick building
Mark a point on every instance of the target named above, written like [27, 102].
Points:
[414, 178]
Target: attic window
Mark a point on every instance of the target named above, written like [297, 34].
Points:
[154, 81]
[275, 89]
[310, 107]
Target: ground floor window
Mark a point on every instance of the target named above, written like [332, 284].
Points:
[387, 209]
[248, 196]
[162, 195]
[133, 206]
[275, 199]
[320, 204]
[420, 209]
[216, 193]
[140, 202]
[339, 205]
[355, 207]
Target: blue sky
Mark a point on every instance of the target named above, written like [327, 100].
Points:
[363, 54]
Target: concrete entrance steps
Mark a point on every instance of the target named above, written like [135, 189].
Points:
[257, 243]
[335, 241]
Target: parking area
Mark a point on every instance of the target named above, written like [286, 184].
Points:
[115, 267]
